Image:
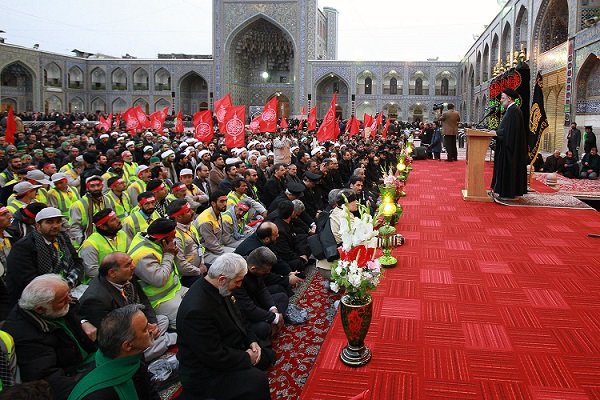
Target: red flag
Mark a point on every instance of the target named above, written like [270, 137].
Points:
[268, 122]
[133, 124]
[302, 114]
[255, 124]
[283, 124]
[203, 126]
[141, 116]
[109, 121]
[234, 127]
[367, 120]
[11, 127]
[179, 122]
[337, 128]
[352, 127]
[103, 124]
[221, 107]
[312, 119]
[385, 129]
[376, 123]
[327, 130]
[118, 121]
[157, 119]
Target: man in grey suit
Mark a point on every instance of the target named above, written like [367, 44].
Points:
[574, 140]
[450, 120]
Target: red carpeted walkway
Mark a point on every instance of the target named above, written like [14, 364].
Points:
[487, 302]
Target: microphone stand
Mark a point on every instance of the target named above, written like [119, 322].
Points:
[479, 124]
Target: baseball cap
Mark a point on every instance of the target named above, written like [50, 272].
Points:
[38, 176]
[23, 187]
[47, 213]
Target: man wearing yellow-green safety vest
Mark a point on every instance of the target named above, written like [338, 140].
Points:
[141, 216]
[117, 198]
[153, 253]
[84, 208]
[25, 193]
[107, 238]
[61, 195]
[137, 182]
[37, 177]
[190, 258]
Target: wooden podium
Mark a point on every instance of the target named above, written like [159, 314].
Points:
[478, 142]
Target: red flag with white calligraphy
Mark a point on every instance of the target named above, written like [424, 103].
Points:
[283, 124]
[327, 130]
[235, 131]
[179, 122]
[255, 124]
[142, 117]
[221, 107]
[131, 119]
[385, 129]
[103, 123]
[268, 116]
[157, 120]
[203, 126]
[312, 119]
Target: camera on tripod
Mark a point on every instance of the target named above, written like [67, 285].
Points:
[438, 106]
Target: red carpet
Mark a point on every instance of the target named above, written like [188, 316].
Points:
[487, 302]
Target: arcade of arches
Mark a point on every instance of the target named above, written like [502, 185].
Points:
[17, 87]
[193, 93]
[325, 89]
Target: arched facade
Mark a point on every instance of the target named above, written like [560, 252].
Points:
[118, 79]
[554, 25]
[140, 79]
[143, 104]
[119, 105]
[365, 82]
[391, 111]
[392, 83]
[419, 84]
[53, 104]
[417, 112]
[366, 107]
[161, 104]
[445, 84]
[75, 78]
[193, 90]
[507, 48]
[52, 75]
[98, 105]
[162, 80]
[521, 29]
[494, 55]
[478, 69]
[76, 105]
[17, 81]
[588, 92]
[98, 79]
[326, 86]
[485, 64]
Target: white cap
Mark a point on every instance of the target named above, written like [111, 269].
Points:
[23, 187]
[315, 151]
[48, 212]
[186, 171]
[38, 176]
[141, 168]
[183, 145]
[148, 148]
[58, 176]
[148, 133]
[231, 161]
[167, 153]
[104, 136]
[114, 134]
[130, 143]
[121, 139]
[79, 158]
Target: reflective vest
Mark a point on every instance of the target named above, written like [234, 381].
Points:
[104, 246]
[137, 223]
[14, 205]
[64, 200]
[42, 195]
[122, 207]
[138, 185]
[7, 349]
[65, 168]
[139, 248]
[129, 170]
[83, 205]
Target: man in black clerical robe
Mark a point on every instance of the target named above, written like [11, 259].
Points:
[510, 159]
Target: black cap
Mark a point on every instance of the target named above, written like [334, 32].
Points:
[161, 226]
[295, 188]
[511, 92]
[312, 176]
[90, 157]
[588, 127]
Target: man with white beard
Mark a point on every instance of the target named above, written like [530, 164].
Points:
[49, 337]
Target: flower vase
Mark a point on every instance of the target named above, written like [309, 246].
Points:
[356, 319]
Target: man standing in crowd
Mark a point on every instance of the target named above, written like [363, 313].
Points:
[450, 120]
[574, 140]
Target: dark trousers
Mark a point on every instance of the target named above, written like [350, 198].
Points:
[263, 329]
[245, 384]
[450, 145]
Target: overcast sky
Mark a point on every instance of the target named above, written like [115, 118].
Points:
[399, 30]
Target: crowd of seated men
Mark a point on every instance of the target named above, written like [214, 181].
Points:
[114, 253]
[569, 166]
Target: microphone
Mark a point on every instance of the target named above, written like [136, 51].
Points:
[492, 110]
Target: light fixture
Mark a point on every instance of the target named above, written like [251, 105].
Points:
[264, 75]
[387, 233]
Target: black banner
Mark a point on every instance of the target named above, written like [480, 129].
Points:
[538, 123]
[516, 78]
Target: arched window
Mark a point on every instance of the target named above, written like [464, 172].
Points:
[98, 79]
[393, 86]
[52, 75]
[140, 79]
[444, 87]
[162, 80]
[119, 105]
[368, 85]
[53, 104]
[419, 86]
[119, 79]
[75, 78]
[98, 105]
[76, 105]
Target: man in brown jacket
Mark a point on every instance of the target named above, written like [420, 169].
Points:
[450, 120]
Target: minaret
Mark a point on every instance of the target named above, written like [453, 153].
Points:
[331, 14]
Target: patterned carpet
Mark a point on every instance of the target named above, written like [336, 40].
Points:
[575, 187]
[487, 302]
[551, 200]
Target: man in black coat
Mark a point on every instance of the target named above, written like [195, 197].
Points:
[218, 356]
[261, 308]
[114, 288]
[281, 278]
[44, 250]
[287, 247]
[275, 185]
[49, 336]
[574, 140]
[510, 159]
